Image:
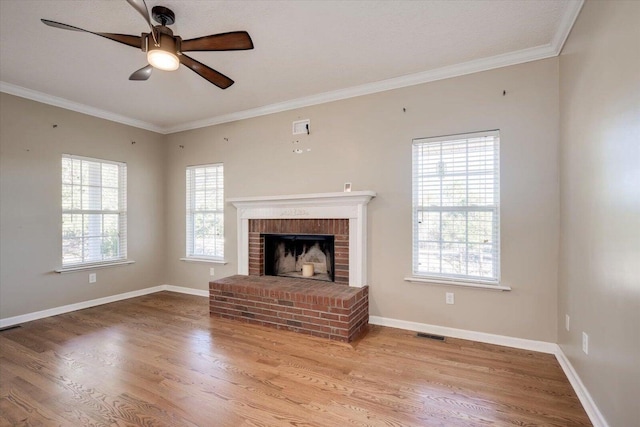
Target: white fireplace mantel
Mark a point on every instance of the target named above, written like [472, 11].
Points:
[348, 205]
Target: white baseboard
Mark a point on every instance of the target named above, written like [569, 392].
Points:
[183, 290]
[23, 318]
[541, 346]
[545, 347]
[596, 417]
[10, 321]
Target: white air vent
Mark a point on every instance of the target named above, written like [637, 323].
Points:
[301, 126]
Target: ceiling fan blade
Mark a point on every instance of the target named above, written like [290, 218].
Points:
[236, 40]
[134, 41]
[142, 74]
[210, 74]
[141, 7]
[62, 26]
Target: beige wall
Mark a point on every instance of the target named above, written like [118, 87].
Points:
[599, 284]
[367, 141]
[30, 207]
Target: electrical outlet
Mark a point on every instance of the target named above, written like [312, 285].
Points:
[585, 343]
[567, 322]
[92, 277]
[212, 272]
[449, 298]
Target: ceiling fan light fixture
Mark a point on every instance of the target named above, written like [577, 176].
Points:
[163, 60]
[162, 49]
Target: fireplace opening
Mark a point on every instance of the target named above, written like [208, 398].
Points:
[309, 256]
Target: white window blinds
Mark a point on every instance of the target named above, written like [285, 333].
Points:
[94, 211]
[205, 212]
[456, 207]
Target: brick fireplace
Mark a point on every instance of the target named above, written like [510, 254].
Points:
[338, 228]
[337, 310]
[350, 207]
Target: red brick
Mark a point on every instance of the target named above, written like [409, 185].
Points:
[267, 301]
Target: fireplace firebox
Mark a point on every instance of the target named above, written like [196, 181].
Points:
[309, 256]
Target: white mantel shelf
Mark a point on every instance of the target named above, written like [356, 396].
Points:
[348, 205]
[318, 198]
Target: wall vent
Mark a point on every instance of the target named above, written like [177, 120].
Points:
[430, 336]
[301, 126]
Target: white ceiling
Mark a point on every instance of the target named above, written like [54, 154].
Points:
[306, 52]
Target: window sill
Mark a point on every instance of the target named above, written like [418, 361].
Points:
[454, 283]
[71, 269]
[207, 260]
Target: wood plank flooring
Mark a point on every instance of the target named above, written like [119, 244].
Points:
[160, 360]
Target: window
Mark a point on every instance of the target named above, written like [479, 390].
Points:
[456, 208]
[94, 211]
[205, 212]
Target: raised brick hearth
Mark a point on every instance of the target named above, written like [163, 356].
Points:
[322, 309]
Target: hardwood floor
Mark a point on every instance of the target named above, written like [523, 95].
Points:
[161, 360]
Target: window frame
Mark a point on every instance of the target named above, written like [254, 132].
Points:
[88, 189]
[191, 211]
[421, 274]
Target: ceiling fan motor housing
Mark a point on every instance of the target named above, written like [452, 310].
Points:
[165, 40]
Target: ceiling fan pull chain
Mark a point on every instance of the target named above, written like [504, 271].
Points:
[156, 37]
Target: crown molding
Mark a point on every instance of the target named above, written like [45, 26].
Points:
[566, 24]
[485, 64]
[44, 98]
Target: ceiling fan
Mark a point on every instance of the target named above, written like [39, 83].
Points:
[166, 51]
